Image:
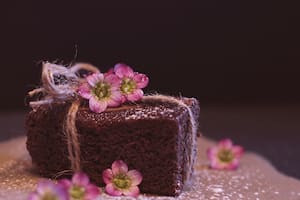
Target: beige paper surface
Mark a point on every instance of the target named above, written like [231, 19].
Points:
[255, 179]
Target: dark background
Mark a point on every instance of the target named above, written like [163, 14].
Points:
[239, 58]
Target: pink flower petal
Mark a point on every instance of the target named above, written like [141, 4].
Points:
[111, 190]
[115, 99]
[34, 196]
[62, 194]
[115, 88]
[141, 80]
[233, 164]
[84, 91]
[107, 176]
[237, 151]
[113, 80]
[226, 143]
[135, 95]
[97, 106]
[133, 191]
[135, 176]
[116, 95]
[215, 164]
[80, 179]
[123, 99]
[212, 152]
[113, 103]
[65, 183]
[119, 167]
[92, 192]
[123, 70]
[94, 79]
[45, 185]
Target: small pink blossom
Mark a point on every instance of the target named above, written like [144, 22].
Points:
[102, 91]
[225, 155]
[131, 82]
[80, 187]
[48, 190]
[120, 181]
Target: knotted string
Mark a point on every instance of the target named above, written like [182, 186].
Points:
[59, 92]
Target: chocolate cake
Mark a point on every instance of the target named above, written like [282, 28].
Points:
[154, 137]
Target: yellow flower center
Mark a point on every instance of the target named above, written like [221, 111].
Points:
[122, 181]
[225, 155]
[49, 196]
[127, 86]
[102, 90]
[77, 193]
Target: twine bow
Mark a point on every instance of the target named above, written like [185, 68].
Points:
[59, 83]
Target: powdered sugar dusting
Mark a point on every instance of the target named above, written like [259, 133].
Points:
[135, 112]
[149, 112]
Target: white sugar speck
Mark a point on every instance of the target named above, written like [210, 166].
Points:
[217, 190]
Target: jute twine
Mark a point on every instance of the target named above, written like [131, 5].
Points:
[63, 93]
[66, 92]
[72, 136]
[192, 123]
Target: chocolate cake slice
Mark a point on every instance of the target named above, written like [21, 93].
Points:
[154, 137]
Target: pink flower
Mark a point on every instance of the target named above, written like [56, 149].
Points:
[80, 187]
[225, 155]
[120, 181]
[102, 90]
[48, 190]
[131, 82]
